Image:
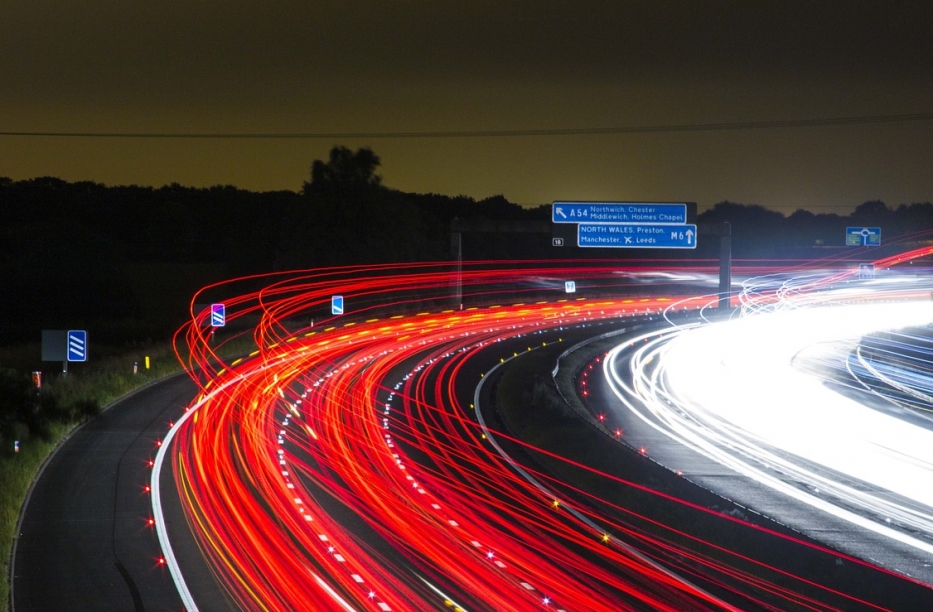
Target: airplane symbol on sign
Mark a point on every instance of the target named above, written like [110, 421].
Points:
[628, 240]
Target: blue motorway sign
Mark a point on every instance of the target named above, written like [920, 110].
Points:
[336, 304]
[218, 315]
[863, 236]
[618, 212]
[628, 236]
[77, 345]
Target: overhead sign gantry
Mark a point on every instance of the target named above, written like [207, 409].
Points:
[634, 225]
[618, 212]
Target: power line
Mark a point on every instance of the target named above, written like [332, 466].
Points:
[651, 129]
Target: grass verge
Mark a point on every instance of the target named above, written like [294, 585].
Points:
[99, 384]
[113, 375]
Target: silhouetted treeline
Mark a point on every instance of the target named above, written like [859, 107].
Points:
[75, 254]
[129, 258]
[758, 233]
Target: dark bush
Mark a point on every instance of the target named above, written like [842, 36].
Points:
[54, 410]
[86, 408]
[17, 401]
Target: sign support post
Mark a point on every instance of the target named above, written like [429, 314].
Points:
[725, 267]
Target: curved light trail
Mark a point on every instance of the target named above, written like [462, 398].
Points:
[341, 465]
[772, 396]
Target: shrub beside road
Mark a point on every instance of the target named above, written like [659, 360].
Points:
[33, 424]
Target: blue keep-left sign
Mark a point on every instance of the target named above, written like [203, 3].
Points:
[336, 304]
[77, 345]
[218, 315]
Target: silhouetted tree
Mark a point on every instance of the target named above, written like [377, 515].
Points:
[872, 213]
[344, 170]
[347, 216]
[917, 217]
[805, 229]
[756, 231]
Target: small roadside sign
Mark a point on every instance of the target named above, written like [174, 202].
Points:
[77, 345]
[218, 315]
[863, 236]
[336, 305]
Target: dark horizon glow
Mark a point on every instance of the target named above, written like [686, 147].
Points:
[601, 101]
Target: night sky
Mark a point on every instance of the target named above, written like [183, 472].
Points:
[313, 67]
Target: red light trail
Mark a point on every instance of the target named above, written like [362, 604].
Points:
[362, 420]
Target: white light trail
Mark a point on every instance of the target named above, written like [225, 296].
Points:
[749, 394]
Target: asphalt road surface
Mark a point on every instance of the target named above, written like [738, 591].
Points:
[85, 542]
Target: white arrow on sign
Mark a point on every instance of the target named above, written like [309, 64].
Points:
[560, 211]
[689, 236]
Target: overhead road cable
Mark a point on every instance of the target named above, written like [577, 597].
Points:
[650, 129]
